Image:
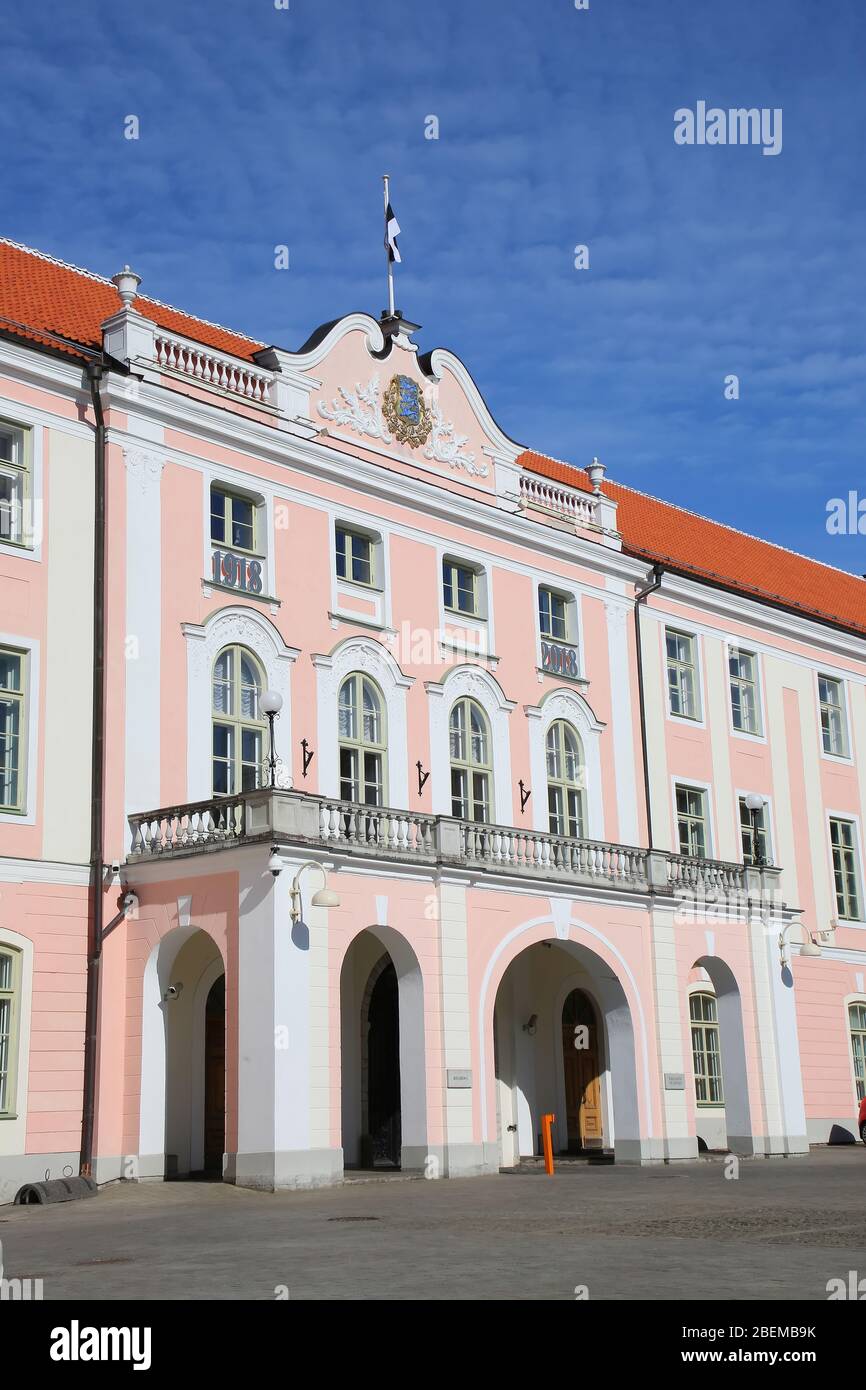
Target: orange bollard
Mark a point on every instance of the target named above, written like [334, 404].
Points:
[546, 1122]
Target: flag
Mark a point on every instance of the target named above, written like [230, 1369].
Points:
[392, 231]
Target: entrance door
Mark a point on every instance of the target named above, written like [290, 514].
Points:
[383, 1070]
[215, 1077]
[582, 1086]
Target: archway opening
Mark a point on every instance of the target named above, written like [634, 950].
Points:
[564, 1045]
[215, 1078]
[718, 1050]
[383, 1076]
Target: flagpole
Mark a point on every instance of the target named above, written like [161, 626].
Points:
[386, 178]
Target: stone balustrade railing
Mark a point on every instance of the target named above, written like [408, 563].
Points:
[212, 368]
[557, 498]
[384, 833]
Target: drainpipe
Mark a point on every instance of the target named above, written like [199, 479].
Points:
[640, 597]
[95, 372]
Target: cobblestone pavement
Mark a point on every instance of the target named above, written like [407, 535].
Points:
[683, 1232]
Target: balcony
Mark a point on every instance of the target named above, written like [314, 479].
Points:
[388, 835]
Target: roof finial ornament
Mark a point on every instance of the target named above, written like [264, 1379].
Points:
[126, 282]
[596, 473]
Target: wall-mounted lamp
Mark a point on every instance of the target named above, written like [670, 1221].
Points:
[531, 1025]
[325, 897]
[309, 755]
[422, 776]
[275, 863]
[270, 704]
[172, 993]
[809, 947]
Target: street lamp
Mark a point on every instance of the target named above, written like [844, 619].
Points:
[271, 703]
[325, 897]
[754, 806]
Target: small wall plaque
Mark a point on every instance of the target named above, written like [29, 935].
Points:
[675, 1081]
[458, 1080]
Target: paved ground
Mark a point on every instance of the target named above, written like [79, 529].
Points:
[780, 1231]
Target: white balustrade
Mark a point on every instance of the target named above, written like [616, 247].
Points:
[212, 368]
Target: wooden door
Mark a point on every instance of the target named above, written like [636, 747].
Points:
[580, 1052]
[215, 1078]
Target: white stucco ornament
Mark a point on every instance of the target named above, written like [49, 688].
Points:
[360, 409]
[447, 447]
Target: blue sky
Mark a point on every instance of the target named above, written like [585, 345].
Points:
[261, 127]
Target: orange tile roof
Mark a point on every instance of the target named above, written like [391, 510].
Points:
[42, 296]
[62, 307]
[693, 545]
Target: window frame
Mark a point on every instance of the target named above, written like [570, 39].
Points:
[734, 649]
[373, 543]
[471, 767]
[842, 685]
[694, 666]
[704, 792]
[706, 1026]
[840, 818]
[359, 744]
[9, 1110]
[857, 1002]
[231, 495]
[455, 564]
[23, 470]
[21, 699]
[237, 723]
[563, 785]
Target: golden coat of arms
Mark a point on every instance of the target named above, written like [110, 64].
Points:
[405, 412]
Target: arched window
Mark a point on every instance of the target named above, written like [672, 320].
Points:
[362, 741]
[10, 1003]
[706, 1053]
[238, 723]
[857, 1024]
[565, 781]
[471, 775]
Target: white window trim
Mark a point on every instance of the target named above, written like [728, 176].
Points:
[704, 1107]
[685, 630]
[378, 593]
[30, 649]
[366, 657]
[846, 759]
[448, 620]
[574, 621]
[769, 820]
[761, 737]
[377, 558]
[694, 784]
[13, 1128]
[568, 704]
[475, 684]
[858, 923]
[232, 626]
[242, 485]
[856, 998]
[19, 417]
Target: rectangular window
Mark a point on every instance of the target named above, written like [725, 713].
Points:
[553, 615]
[857, 1020]
[745, 705]
[12, 696]
[755, 845]
[682, 674]
[706, 1053]
[845, 873]
[9, 1008]
[834, 725]
[232, 520]
[460, 588]
[14, 484]
[354, 556]
[692, 822]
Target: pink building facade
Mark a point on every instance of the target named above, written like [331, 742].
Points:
[553, 822]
